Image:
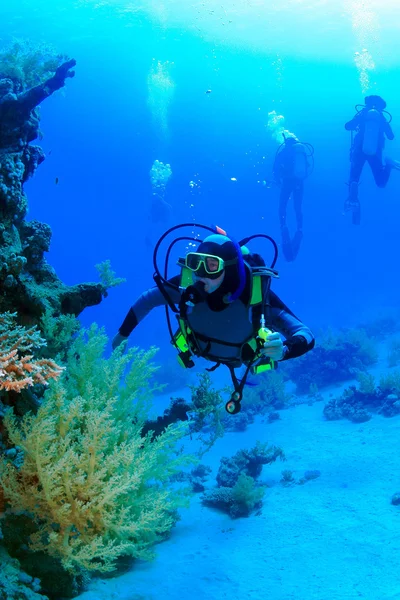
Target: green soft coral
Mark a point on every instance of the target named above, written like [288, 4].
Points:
[95, 487]
[29, 63]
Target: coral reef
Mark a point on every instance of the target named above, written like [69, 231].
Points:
[28, 284]
[249, 462]
[81, 484]
[207, 412]
[176, 412]
[238, 493]
[92, 485]
[18, 368]
[16, 584]
[239, 500]
[359, 403]
[197, 477]
[382, 323]
[337, 358]
[264, 398]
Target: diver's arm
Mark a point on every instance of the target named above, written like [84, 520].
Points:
[279, 167]
[354, 123]
[276, 169]
[388, 131]
[144, 304]
[298, 337]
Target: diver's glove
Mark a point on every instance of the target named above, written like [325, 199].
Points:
[273, 347]
[118, 340]
[194, 294]
[62, 73]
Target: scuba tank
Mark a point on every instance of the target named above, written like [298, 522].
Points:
[301, 159]
[300, 164]
[372, 131]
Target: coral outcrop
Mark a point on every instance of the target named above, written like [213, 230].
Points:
[28, 284]
[18, 367]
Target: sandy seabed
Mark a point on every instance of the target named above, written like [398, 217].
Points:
[334, 538]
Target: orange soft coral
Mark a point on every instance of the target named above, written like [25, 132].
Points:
[19, 370]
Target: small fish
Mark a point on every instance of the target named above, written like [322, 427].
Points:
[208, 91]
[56, 180]
[233, 179]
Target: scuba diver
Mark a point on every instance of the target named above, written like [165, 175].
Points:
[371, 127]
[225, 309]
[160, 214]
[291, 167]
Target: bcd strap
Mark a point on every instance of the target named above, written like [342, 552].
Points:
[161, 287]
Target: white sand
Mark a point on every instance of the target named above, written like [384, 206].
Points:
[333, 538]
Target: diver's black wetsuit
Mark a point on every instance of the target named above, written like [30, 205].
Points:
[294, 187]
[291, 186]
[298, 338]
[358, 158]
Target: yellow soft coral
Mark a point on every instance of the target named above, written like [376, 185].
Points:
[96, 488]
[18, 368]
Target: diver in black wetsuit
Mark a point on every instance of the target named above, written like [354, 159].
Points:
[221, 311]
[291, 168]
[371, 128]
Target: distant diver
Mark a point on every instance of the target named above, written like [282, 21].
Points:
[225, 309]
[371, 127]
[160, 210]
[294, 162]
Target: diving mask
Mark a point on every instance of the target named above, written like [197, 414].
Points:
[207, 265]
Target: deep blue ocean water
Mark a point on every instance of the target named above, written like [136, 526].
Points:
[101, 139]
[225, 66]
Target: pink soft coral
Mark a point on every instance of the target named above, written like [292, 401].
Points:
[18, 367]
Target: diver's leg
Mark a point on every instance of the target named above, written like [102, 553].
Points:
[298, 192]
[357, 164]
[286, 191]
[380, 171]
[287, 244]
[298, 202]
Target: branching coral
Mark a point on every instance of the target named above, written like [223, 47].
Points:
[239, 500]
[207, 405]
[95, 487]
[357, 404]
[29, 63]
[250, 462]
[107, 275]
[338, 357]
[18, 368]
[268, 394]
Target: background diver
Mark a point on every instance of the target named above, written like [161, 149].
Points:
[371, 127]
[293, 164]
[224, 307]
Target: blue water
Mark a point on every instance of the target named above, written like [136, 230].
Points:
[103, 142]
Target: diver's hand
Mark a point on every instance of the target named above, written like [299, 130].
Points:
[118, 340]
[273, 347]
